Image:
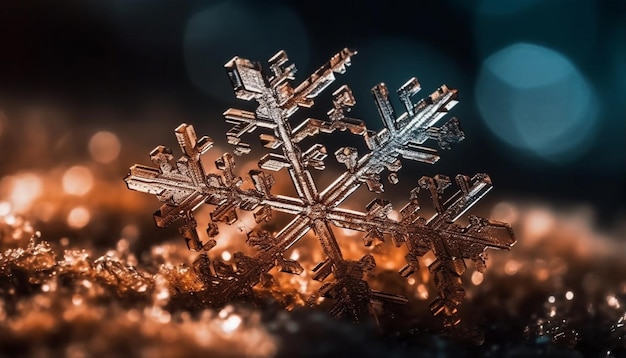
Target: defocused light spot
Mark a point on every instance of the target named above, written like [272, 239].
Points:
[133, 315]
[130, 232]
[537, 224]
[295, 255]
[612, 301]
[78, 217]
[511, 267]
[5, 208]
[104, 147]
[231, 323]
[254, 31]
[569, 295]
[77, 180]
[224, 312]
[536, 100]
[10, 220]
[77, 300]
[164, 317]
[122, 245]
[551, 299]
[22, 190]
[477, 278]
[542, 274]
[163, 294]
[226, 256]
[422, 292]
[505, 212]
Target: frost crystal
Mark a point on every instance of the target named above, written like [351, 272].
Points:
[183, 186]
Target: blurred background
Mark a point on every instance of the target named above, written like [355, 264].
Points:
[88, 88]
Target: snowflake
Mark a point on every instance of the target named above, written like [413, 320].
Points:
[183, 186]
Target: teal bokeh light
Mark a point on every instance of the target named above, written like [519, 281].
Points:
[537, 101]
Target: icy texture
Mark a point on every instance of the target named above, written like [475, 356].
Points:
[183, 186]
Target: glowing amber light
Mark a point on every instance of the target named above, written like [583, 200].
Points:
[226, 256]
[231, 323]
[104, 147]
[511, 267]
[77, 180]
[5, 208]
[78, 217]
[477, 278]
[538, 223]
[422, 292]
[24, 190]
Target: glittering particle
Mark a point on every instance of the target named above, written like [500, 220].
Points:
[409, 134]
[77, 180]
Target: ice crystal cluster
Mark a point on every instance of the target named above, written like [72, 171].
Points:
[183, 186]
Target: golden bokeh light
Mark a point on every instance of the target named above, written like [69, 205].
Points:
[477, 278]
[23, 189]
[104, 147]
[77, 180]
[78, 217]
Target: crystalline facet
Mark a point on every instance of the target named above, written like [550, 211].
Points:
[183, 186]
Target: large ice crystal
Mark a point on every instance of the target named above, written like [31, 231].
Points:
[183, 186]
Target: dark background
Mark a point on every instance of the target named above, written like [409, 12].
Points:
[141, 67]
